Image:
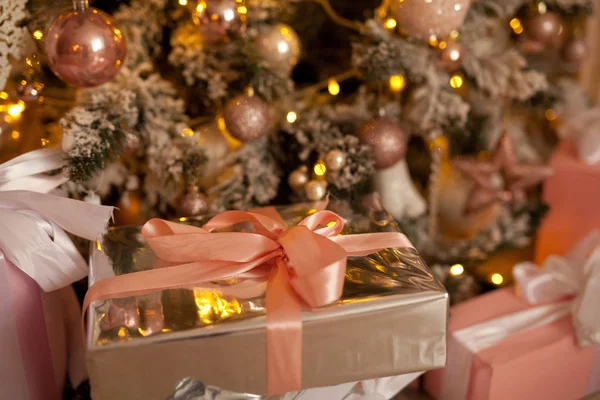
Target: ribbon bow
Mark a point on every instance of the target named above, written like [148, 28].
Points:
[303, 267]
[575, 275]
[563, 286]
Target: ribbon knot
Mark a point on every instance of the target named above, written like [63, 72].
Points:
[302, 267]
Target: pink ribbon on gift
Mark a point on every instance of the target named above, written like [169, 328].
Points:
[563, 286]
[35, 251]
[303, 266]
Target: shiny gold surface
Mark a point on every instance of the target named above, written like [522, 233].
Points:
[391, 272]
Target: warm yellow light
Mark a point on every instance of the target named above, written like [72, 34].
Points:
[433, 41]
[3, 95]
[518, 30]
[457, 269]
[291, 117]
[390, 23]
[98, 245]
[515, 23]
[550, 115]
[187, 132]
[213, 308]
[454, 35]
[183, 2]
[200, 7]
[16, 109]
[242, 10]
[497, 279]
[443, 45]
[320, 168]
[15, 135]
[331, 223]
[456, 81]
[397, 83]
[333, 87]
[45, 142]
[183, 219]
[38, 35]
[542, 8]
[122, 333]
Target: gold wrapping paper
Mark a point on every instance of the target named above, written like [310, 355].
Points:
[390, 320]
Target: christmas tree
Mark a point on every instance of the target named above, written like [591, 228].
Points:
[441, 112]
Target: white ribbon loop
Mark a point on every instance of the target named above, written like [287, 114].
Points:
[26, 172]
[34, 225]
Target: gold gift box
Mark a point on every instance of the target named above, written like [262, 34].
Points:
[391, 320]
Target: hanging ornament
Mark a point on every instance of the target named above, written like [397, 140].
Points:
[502, 179]
[247, 118]
[279, 46]
[574, 51]
[217, 18]
[544, 28]
[335, 160]
[424, 19]
[84, 46]
[316, 190]
[192, 204]
[386, 139]
[216, 147]
[298, 178]
[129, 209]
[451, 56]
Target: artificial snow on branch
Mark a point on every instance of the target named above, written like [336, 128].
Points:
[14, 37]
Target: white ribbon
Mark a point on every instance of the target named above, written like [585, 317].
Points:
[584, 129]
[576, 275]
[33, 224]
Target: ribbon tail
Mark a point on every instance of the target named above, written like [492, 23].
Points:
[284, 334]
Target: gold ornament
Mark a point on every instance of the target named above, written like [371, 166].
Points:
[298, 178]
[247, 118]
[335, 160]
[217, 18]
[316, 190]
[279, 46]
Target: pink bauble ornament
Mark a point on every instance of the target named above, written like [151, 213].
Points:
[279, 46]
[386, 138]
[575, 51]
[192, 204]
[216, 18]
[85, 47]
[423, 18]
[247, 118]
[544, 28]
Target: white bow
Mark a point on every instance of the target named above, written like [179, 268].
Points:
[575, 279]
[33, 224]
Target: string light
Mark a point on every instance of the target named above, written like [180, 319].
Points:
[550, 115]
[457, 269]
[200, 7]
[183, 2]
[15, 135]
[454, 35]
[497, 279]
[38, 35]
[15, 110]
[45, 142]
[443, 45]
[320, 168]
[397, 83]
[3, 95]
[242, 10]
[183, 219]
[99, 245]
[291, 117]
[333, 87]
[516, 26]
[542, 8]
[456, 81]
[187, 132]
[433, 41]
[390, 23]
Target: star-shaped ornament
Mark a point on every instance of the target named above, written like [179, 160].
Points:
[502, 179]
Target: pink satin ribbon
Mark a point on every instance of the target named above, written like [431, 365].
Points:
[304, 267]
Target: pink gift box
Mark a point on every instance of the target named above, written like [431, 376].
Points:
[40, 338]
[542, 363]
[573, 194]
